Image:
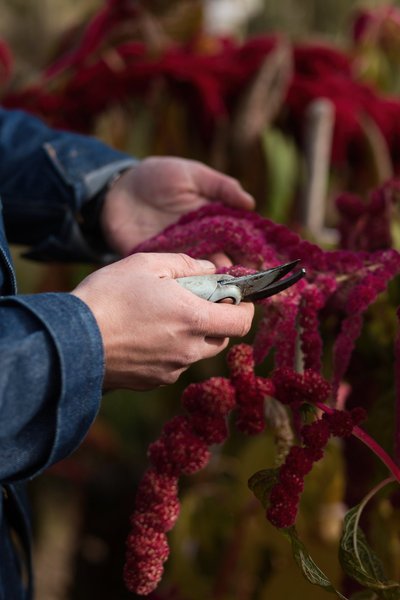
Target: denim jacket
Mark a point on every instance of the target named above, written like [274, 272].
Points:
[48, 399]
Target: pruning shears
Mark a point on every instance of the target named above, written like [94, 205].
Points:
[246, 288]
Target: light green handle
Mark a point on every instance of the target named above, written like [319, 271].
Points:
[208, 287]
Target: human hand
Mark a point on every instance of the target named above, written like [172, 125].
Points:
[156, 192]
[152, 328]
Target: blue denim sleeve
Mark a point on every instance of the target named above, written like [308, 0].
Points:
[52, 365]
[46, 177]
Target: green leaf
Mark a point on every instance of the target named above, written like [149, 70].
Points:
[261, 484]
[308, 567]
[283, 170]
[360, 562]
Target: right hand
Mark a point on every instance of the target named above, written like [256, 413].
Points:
[152, 328]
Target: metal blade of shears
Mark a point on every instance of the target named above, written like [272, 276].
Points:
[266, 283]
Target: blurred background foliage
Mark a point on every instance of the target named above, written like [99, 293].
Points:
[222, 547]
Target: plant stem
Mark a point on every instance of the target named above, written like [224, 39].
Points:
[361, 507]
[371, 443]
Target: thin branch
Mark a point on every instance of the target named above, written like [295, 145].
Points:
[371, 443]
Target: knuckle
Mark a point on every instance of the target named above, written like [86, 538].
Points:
[169, 378]
[140, 258]
[186, 259]
[218, 345]
[172, 376]
[189, 357]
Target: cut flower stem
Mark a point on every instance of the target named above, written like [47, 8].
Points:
[371, 443]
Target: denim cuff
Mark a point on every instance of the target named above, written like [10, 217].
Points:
[71, 243]
[78, 345]
[84, 164]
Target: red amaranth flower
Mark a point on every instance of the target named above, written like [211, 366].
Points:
[358, 414]
[160, 517]
[212, 429]
[183, 445]
[365, 224]
[154, 487]
[240, 361]
[179, 450]
[340, 423]
[313, 298]
[344, 346]
[283, 507]
[295, 388]
[251, 419]
[216, 396]
[292, 481]
[318, 389]
[266, 386]
[146, 551]
[289, 385]
[209, 403]
[316, 434]
[285, 495]
[142, 546]
[299, 460]
[142, 576]
[372, 278]
[250, 391]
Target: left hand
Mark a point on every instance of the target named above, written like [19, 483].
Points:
[157, 192]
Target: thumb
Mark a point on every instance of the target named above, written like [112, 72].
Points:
[218, 187]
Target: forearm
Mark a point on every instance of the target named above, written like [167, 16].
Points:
[50, 382]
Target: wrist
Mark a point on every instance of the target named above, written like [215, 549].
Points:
[92, 223]
[118, 216]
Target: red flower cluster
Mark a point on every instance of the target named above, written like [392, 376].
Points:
[250, 390]
[182, 449]
[108, 66]
[365, 223]
[295, 388]
[314, 298]
[346, 280]
[342, 422]
[285, 494]
[209, 403]
[367, 284]
[157, 508]
[179, 450]
[325, 72]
